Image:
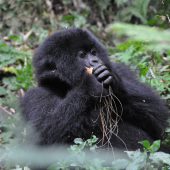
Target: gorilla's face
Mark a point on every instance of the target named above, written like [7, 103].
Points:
[65, 56]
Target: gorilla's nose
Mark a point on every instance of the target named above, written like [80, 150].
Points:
[94, 61]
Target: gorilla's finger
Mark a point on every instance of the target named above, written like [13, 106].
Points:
[103, 75]
[99, 69]
[98, 65]
[108, 80]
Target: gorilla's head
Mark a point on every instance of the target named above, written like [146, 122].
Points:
[65, 55]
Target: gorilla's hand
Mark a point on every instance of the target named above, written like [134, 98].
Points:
[91, 86]
[102, 74]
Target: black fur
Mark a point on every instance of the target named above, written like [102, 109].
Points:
[64, 105]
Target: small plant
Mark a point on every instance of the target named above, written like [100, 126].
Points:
[151, 148]
[80, 145]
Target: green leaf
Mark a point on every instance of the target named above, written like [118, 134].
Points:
[145, 143]
[138, 160]
[160, 157]
[24, 76]
[3, 91]
[120, 3]
[143, 68]
[103, 4]
[155, 146]
[16, 38]
[78, 141]
[10, 55]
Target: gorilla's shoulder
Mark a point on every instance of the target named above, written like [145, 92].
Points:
[36, 94]
[36, 91]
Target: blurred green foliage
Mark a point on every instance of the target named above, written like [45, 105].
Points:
[20, 16]
[156, 38]
[16, 72]
[138, 9]
[81, 156]
[148, 50]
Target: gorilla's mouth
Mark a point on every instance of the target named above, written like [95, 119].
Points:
[89, 70]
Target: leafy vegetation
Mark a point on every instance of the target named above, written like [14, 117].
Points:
[146, 49]
[84, 154]
[149, 158]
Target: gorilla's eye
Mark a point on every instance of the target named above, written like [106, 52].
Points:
[93, 52]
[81, 54]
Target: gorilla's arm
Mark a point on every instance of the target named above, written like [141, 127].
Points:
[145, 109]
[142, 107]
[58, 120]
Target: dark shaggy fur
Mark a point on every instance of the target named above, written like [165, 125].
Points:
[67, 102]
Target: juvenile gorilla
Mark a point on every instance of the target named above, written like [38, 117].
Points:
[81, 92]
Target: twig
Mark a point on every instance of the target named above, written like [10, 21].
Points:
[168, 18]
[6, 111]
